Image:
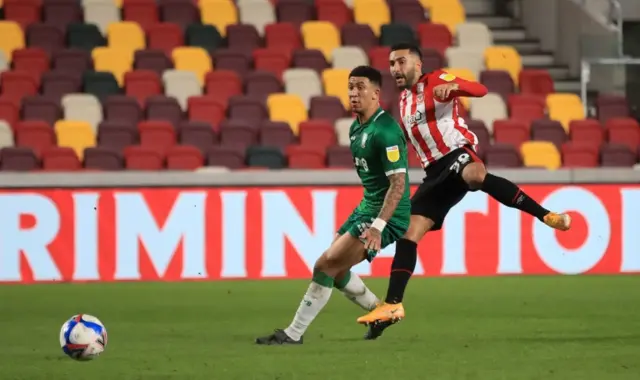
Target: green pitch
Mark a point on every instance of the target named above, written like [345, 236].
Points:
[514, 328]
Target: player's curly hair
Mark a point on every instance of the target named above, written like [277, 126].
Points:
[368, 72]
[413, 48]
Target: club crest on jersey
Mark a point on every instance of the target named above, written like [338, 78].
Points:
[447, 77]
[363, 142]
[393, 153]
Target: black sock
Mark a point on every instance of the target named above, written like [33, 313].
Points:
[404, 263]
[509, 194]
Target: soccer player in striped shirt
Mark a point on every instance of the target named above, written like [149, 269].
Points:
[429, 109]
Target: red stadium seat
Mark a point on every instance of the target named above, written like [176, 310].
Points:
[141, 84]
[261, 84]
[617, 155]
[184, 157]
[143, 158]
[197, 134]
[31, 60]
[334, 11]
[537, 82]
[282, 36]
[159, 135]
[319, 133]
[231, 157]
[223, 84]
[18, 159]
[37, 135]
[379, 57]
[165, 108]
[60, 159]
[248, 109]
[9, 110]
[434, 36]
[503, 156]
[612, 105]
[23, 12]
[327, 108]
[233, 60]
[526, 112]
[548, 130]
[358, 35]
[238, 133]
[98, 158]
[526, 99]
[41, 108]
[144, 12]
[512, 132]
[164, 36]
[294, 11]
[339, 157]
[306, 157]
[624, 131]
[122, 108]
[587, 131]
[273, 61]
[276, 134]
[580, 155]
[207, 109]
[18, 84]
[116, 136]
[243, 37]
[183, 13]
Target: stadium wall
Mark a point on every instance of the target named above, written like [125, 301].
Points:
[255, 225]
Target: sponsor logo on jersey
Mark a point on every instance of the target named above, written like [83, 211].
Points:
[415, 118]
[447, 77]
[393, 153]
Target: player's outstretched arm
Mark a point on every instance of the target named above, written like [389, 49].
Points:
[449, 86]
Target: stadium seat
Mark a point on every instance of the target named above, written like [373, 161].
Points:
[266, 157]
[358, 35]
[183, 13]
[488, 109]
[84, 36]
[617, 155]
[273, 61]
[334, 11]
[334, 81]
[143, 12]
[56, 84]
[310, 59]
[238, 133]
[318, 133]
[117, 61]
[293, 11]
[61, 13]
[499, 82]
[98, 158]
[77, 135]
[321, 35]
[143, 158]
[537, 82]
[122, 108]
[276, 134]
[223, 84]
[305, 83]
[116, 136]
[41, 108]
[503, 156]
[101, 13]
[282, 36]
[192, 59]
[141, 84]
[624, 131]
[258, 13]
[227, 59]
[198, 134]
[261, 84]
[46, 37]
[243, 38]
[542, 154]
[342, 127]
[513, 132]
[16, 85]
[481, 131]
[474, 35]
[379, 57]
[206, 37]
[232, 157]
[374, 13]
[339, 157]
[72, 61]
[407, 12]
[526, 112]
[451, 14]
[6, 135]
[22, 12]
[36, 135]
[287, 108]
[306, 157]
[163, 108]
[206, 109]
[18, 159]
[184, 157]
[348, 57]
[9, 110]
[181, 85]
[326, 107]
[548, 130]
[611, 106]
[152, 60]
[391, 34]
[580, 155]
[504, 58]
[432, 60]
[247, 109]
[564, 108]
[157, 134]
[219, 13]
[125, 35]
[164, 36]
[434, 36]
[82, 107]
[31, 60]
[587, 131]
[468, 58]
[60, 159]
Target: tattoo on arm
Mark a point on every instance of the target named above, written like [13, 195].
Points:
[393, 197]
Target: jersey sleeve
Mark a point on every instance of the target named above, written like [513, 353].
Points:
[392, 145]
[465, 88]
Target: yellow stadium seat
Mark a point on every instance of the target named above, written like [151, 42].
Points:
[321, 35]
[126, 35]
[374, 13]
[288, 108]
[11, 38]
[75, 134]
[503, 58]
[219, 13]
[118, 3]
[450, 13]
[464, 74]
[117, 61]
[540, 154]
[195, 59]
[336, 83]
[565, 108]
[427, 4]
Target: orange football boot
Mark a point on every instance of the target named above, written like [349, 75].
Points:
[383, 313]
[560, 222]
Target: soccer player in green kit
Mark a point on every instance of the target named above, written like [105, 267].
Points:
[379, 150]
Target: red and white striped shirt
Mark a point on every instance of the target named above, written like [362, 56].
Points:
[435, 126]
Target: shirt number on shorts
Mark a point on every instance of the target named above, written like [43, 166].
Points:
[361, 162]
[462, 159]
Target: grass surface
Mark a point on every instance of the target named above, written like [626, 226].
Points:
[507, 328]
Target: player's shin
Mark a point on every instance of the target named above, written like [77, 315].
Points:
[355, 290]
[402, 267]
[509, 194]
[314, 300]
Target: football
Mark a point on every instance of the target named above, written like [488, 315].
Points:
[83, 337]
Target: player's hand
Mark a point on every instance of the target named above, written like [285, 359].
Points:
[442, 91]
[372, 239]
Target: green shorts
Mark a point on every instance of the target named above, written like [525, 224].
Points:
[358, 221]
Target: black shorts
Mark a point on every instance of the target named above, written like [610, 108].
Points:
[443, 186]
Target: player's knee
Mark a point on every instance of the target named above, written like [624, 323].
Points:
[473, 174]
[418, 227]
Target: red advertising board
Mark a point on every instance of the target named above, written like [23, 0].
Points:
[209, 234]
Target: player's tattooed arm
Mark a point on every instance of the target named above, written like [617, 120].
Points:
[394, 195]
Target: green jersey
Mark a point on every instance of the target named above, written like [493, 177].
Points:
[379, 149]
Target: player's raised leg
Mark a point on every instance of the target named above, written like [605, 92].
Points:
[344, 253]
